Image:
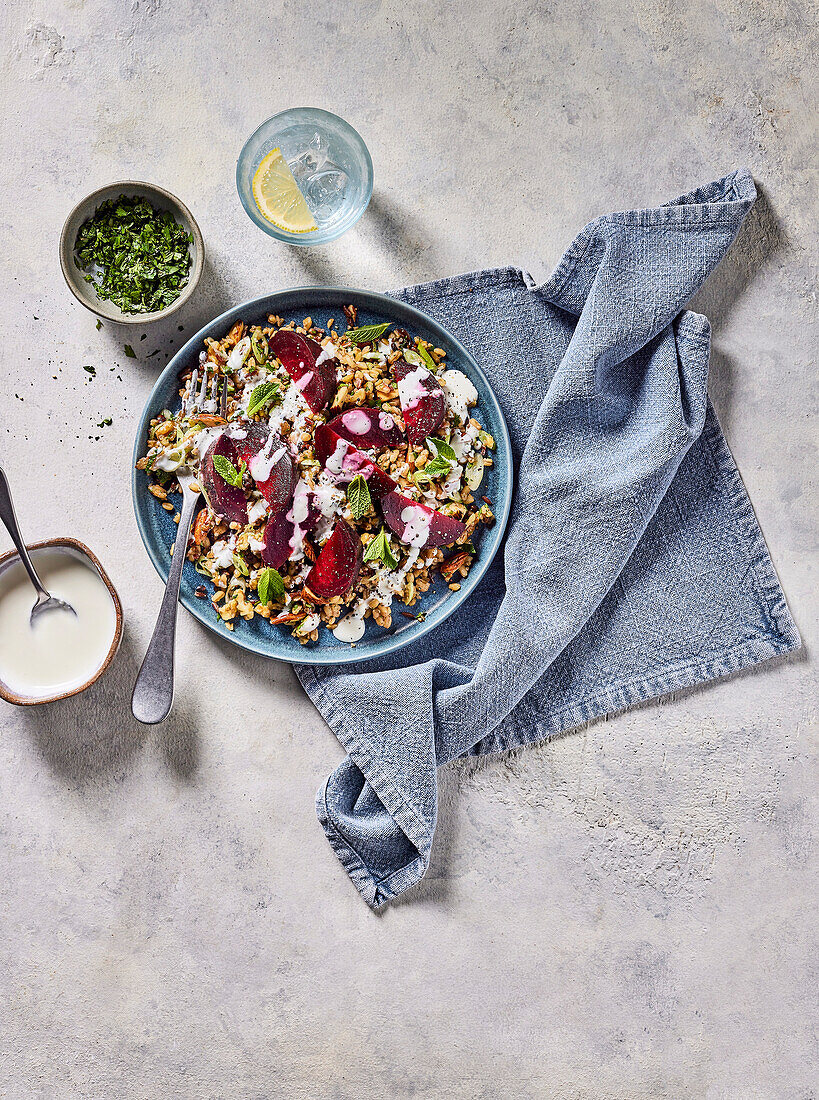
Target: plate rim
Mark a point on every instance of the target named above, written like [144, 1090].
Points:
[391, 642]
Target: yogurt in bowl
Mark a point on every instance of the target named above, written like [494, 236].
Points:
[61, 653]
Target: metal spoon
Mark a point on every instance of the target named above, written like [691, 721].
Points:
[45, 601]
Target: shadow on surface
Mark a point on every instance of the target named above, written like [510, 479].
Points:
[761, 239]
[94, 737]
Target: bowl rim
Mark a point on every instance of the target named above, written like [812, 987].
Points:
[12, 696]
[303, 240]
[67, 251]
[390, 642]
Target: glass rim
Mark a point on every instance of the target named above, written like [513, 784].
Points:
[311, 239]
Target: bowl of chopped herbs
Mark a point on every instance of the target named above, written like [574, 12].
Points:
[131, 252]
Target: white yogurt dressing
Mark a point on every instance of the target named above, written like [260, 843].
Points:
[460, 392]
[417, 520]
[350, 628]
[262, 463]
[258, 510]
[238, 355]
[327, 352]
[291, 405]
[297, 515]
[60, 651]
[389, 582]
[356, 421]
[222, 552]
[411, 389]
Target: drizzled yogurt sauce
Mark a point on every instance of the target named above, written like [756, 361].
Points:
[460, 392]
[417, 520]
[60, 651]
[389, 582]
[411, 388]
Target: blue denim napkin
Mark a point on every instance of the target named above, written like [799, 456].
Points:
[633, 564]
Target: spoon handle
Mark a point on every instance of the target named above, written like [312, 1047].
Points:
[10, 521]
[153, 691]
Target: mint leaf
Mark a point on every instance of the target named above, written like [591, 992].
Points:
[440, 449]
[366, 334]
[358, 497]
[439, 467]
[227, 471]
[379, 549]
[271, 586]
[264, 394]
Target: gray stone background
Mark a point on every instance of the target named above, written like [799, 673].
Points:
[628, 911]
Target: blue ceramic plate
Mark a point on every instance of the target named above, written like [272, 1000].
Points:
[158, 530]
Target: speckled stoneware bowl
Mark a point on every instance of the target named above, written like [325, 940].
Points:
[158, 530]
[79, 550]
[84, 292]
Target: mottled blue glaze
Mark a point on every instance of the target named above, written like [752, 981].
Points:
[158, 530]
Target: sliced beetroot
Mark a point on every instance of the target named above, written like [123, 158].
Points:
[367, 428]
[304, 361]
[343, 462]
[268, 461]
[224, 500]
[337, 565]
[417, 525]
[284, 533]
[423, 402]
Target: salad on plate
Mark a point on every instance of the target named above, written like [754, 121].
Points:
[341, 479]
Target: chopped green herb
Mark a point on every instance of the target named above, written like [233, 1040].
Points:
[367, 334]
[379, 549]
[264, 394]
[99, 325]
[106, 423]
[228, 472]
[129, 351]
[91, 370]
[271, 586]
[358, 497]
[133, 254]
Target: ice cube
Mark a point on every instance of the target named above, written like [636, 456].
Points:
[311, 158]
[324, 191]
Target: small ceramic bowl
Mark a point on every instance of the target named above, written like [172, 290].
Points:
[84, 292]
[79, 550]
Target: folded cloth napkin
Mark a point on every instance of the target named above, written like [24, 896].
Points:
[633, 563]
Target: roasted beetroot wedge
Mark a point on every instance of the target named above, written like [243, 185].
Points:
[337, 566]
[304, 361]
[343, 462]
[367, 428]
[423, 402]
[223, 499]
[417, 525]
[268, 461]
[284, 533]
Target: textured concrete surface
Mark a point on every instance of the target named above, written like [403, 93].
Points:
[628, 911]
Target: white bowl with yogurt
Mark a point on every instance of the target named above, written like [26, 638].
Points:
[60, 654]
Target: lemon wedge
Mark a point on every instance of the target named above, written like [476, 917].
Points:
[278, 197]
